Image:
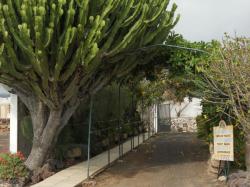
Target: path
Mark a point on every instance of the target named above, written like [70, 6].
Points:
[167, 160]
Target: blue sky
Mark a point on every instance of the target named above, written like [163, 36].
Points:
[210, 19]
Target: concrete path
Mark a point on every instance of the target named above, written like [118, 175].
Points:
[74, 175]
[166, 160]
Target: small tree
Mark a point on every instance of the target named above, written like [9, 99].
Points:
[228, 83]
[55, 53]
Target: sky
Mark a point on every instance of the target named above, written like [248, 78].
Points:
[210, 19]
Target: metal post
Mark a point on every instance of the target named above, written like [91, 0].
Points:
[143, 135]
[138, 132]
[122, 149]
[89, 134]
[131, 143]
[133, 140]
[149, 113]
[109, 147]
[119, 121]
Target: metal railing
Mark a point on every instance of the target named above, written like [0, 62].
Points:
[116, 134]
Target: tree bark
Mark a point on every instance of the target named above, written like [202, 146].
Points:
[44, 130]
[47, 125]
[247, 152]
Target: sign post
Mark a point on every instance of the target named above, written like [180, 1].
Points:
[223, 145]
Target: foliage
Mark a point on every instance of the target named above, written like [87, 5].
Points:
[211, 117]
[227, 79]
[172, 78]
[54, 54]
[12, 166]
[225, 92]
[105, 115]
[57, 48]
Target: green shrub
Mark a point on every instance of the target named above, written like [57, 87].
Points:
[211, 117]
[12, 166]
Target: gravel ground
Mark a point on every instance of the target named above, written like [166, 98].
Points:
[166, 160]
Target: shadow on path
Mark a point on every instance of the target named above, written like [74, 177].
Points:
[166, 160]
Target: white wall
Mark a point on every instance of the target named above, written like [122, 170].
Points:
[13, 123]
[193, 108]
[7, 98]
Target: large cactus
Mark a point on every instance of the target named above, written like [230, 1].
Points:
[53, 53]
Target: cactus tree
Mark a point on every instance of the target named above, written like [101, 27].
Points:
[55, 53]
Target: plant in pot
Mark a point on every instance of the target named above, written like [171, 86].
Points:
[127, 130]
[13, 172]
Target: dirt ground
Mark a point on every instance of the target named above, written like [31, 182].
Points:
[166, 160]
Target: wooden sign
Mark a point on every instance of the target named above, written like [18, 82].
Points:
[223, 142]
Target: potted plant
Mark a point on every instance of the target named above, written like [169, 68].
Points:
[13, 172]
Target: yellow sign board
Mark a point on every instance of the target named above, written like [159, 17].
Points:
[223, 142]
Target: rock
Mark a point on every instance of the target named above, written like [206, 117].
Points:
[46, 174]
[42, 173]
[213, 170]
[36, 177]
[183, 125]
[47, 171]
[74, 153]
[89, 183]
[239, 179]
[216, 163]
[77, 151]
[213, 167]
[222, 178]
[70, 162]
[55, 164]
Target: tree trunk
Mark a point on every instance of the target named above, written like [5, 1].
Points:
[247, 152]
[47, 125]
[44, 130]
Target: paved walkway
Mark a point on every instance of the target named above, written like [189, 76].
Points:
[74, 175]
[4, 142]
[167, 160]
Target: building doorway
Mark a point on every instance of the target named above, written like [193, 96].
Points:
[164, 117]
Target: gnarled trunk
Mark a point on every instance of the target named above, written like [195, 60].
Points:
[47, 125]
[45, 129]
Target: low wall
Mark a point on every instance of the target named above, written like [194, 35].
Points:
[76, 174]
[183, 125]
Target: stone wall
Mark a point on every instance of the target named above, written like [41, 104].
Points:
[4, 125]
[183, 125]
[4, 142]
[4, 135]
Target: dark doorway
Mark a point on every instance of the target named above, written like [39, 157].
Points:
[164, 118]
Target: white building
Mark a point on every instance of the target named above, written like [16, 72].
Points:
[8, 109]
